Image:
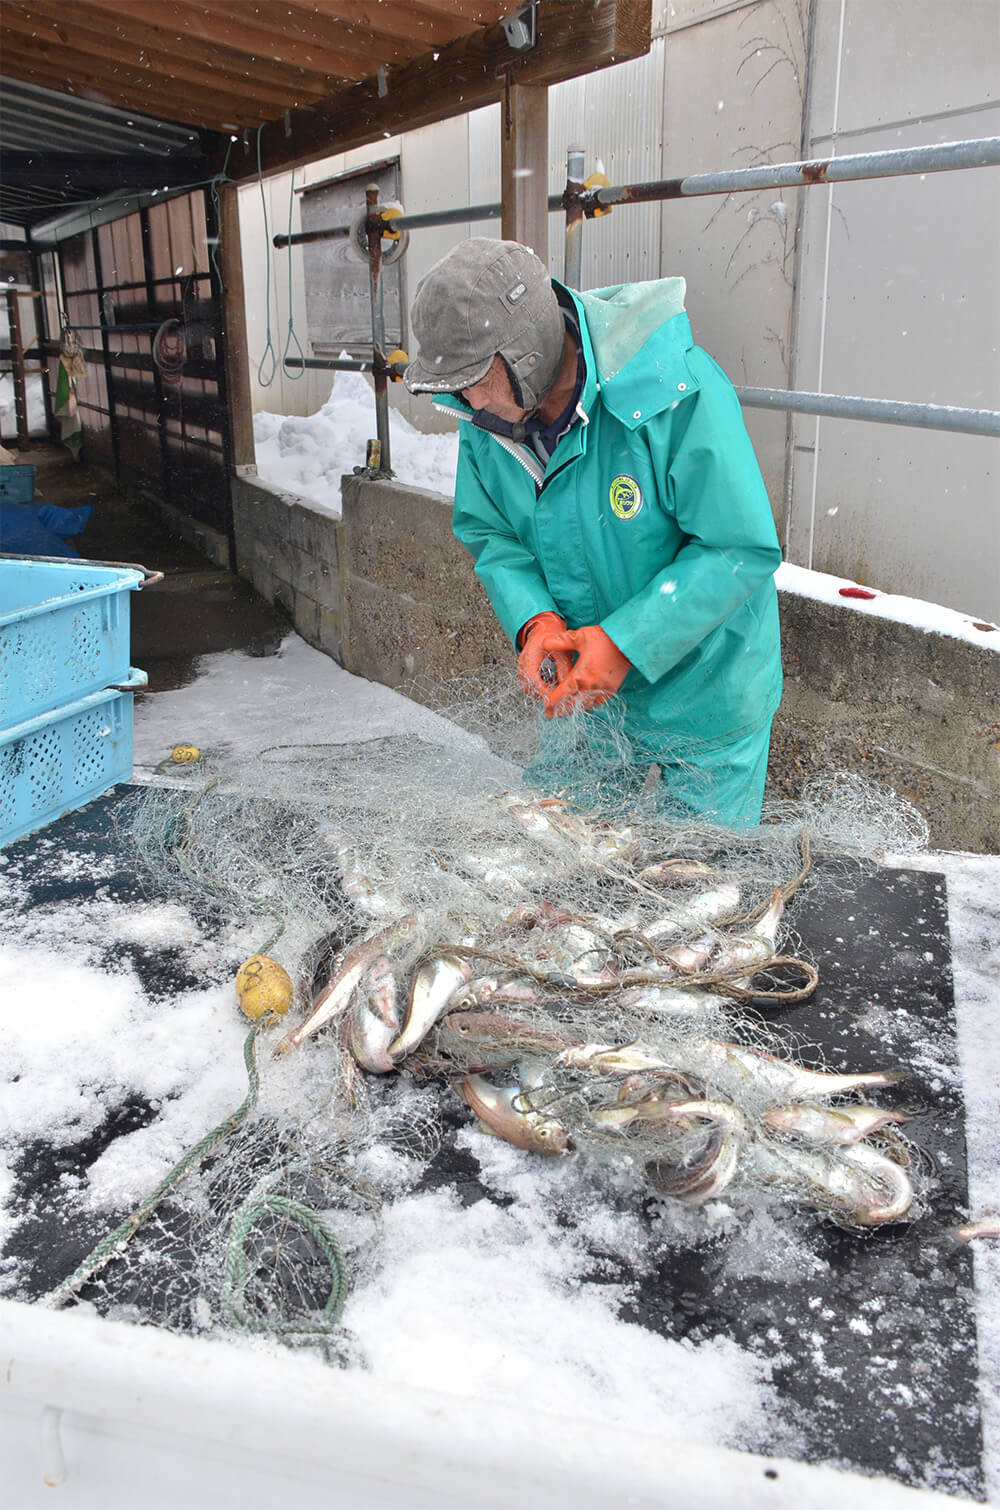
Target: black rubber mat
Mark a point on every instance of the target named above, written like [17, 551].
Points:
[874, 1350]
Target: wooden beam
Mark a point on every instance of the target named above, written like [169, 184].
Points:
[234, 332]
[574, 37]
[524, 167]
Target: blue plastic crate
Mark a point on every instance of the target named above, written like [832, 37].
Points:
[17, 484]
[59, 761]
[64, 632]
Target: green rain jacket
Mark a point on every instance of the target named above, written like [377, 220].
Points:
[650, 519]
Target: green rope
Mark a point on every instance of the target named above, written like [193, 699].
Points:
[115, 1241]
[324, 1333]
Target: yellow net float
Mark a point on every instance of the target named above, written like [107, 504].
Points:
[185, 754]
[262, 985]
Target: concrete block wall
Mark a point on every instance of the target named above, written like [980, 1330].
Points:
[916, 710]
[290, 552]
[390, 594]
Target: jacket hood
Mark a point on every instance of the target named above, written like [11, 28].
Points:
[636, 337]
[640, 336]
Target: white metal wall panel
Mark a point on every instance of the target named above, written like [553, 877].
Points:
[908, 308]
[898, 298]
[902, 62]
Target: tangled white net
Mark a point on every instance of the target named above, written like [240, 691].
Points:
[578, 962]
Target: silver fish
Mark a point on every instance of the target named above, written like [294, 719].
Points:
[707, 907]
[987, 1226]
[336, 996]
[502, 1111]
[857, 1185]
[372, 1021]
[693, 958]
[676, 872]
[731, 1066]
[728, 1065]
[755, 946]
[666, 1000]
[494, 991]
[551, 819]
[828, 1124]
[716, 1166]
[434, 986]
[487, 1040]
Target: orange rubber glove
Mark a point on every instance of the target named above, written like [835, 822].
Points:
[529, 662]
[597, 673]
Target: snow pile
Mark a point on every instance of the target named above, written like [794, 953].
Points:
[309, 455]
[36, 405]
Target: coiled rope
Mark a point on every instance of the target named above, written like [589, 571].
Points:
[320, 1333]
[325, 1333]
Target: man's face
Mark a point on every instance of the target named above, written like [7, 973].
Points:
[493, 392]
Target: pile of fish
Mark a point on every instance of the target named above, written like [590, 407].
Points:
[604, 1031]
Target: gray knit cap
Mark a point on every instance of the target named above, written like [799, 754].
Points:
[484, 297]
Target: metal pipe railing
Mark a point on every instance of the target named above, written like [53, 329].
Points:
[382, 466]
[579, 202]
[886, 411]
[411, 222]
[340, 364]
[981, 153]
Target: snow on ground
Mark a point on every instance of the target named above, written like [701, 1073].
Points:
[486, 1295]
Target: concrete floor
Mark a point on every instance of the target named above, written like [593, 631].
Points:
[197, 609]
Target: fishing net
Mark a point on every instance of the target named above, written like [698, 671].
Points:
[529, 923]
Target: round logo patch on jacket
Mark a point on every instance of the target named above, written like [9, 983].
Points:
[626, 496]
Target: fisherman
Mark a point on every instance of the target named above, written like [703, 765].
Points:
[609, 494]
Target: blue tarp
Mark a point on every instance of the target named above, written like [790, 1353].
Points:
[40, 529]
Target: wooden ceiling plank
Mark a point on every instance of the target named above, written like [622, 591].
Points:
[45, 19]
[574, 37]
[387, 33]
[433, 26]
[204, 110]
[241, 29]
[365, 43]
[132, 84]
[77, 50]
[471, 14]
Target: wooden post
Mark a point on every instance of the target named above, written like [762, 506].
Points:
[524, 166]
[234, 334]
[17, 367]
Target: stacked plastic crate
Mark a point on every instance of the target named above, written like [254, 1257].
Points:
[65, 687]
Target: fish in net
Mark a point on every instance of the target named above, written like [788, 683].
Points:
[565, 956]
